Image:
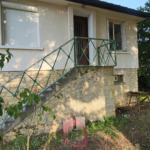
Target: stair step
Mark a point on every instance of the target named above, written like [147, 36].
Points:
[3, 126]
[24, 109]
[2, 130]
[8, 123]
[50, 89]
[42, 95]
[65, 77]
[57, 83]
[11, 119]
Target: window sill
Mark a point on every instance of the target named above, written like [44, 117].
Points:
[119, 83]
[21, 48]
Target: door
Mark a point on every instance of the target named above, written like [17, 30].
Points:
[81, 30]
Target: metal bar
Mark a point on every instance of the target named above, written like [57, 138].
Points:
[83, 51]
[52, 67]
[110, 54]
[19, 83]
[56, 59]
[68, 58]
[36, 63]
[37, 75]
[76, 49]
[34, 80]
[1, 90]
[57, 80]
[66, 54]
[115, 53]
[9, 91]
[99, 52]
[103, 58]
[93, 38]
[48, 78]
[99, 63]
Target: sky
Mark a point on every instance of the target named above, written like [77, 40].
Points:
[134, 4]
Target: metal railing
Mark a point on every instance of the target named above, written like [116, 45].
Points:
[79, 51]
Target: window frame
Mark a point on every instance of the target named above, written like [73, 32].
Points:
[121, 81]
[123, 33]
[113, 22]
[25, 8]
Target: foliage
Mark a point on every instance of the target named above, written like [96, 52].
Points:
[21, 143]
[27, 98]
[4, 57]
[107, 125]
[144, 44]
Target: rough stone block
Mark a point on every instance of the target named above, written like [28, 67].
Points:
[80, 122]
[68, 124]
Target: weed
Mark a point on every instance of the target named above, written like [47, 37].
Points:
[107, 125]
[21, 143]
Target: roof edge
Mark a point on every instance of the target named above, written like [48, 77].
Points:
[112, 7]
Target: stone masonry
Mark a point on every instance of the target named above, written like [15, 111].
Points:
[91, 94]
[27, 82]
[130, 83]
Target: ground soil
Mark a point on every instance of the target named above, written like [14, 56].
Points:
[135, 135]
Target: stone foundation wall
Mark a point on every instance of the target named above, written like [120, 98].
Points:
[91, 94]
[27, 82]
[130, 83]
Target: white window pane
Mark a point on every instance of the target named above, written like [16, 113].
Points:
[20, 28]
[117, 34]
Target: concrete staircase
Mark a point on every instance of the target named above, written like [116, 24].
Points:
[28, 110]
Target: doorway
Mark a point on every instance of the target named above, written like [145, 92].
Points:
[81, 30]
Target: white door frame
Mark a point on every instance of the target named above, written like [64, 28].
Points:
[91, 26]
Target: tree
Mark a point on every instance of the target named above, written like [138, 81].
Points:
[144, 47]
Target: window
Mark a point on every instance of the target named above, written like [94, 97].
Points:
[20, 25]
[118, 78]
[117, 31]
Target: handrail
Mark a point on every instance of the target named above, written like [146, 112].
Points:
[102, 51]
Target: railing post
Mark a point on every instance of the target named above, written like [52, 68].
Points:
[99, 57]
[76, 50]
[115, 53]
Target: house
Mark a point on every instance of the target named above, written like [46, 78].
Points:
[85, 57]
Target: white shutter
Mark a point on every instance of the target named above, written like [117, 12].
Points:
[17, 6]
[108, 31]
[21, 28]
[108, 28]
[124, 40]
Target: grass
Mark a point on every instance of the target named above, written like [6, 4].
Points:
[130, 129]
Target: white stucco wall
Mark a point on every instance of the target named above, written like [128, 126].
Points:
[124, 60]
[56, 28]
[53, 29]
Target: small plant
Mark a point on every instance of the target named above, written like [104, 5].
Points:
[21, 143]
[75, 135]
[4, 57]
[107, 125]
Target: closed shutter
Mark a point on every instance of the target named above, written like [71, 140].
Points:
[108, 32]
[124, 41]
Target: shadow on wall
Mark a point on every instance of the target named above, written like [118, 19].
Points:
[31, 29]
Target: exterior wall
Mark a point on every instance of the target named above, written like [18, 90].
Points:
[127, 59]
[90, 95]
[130, 83]
[27, 82]
[52, 35]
